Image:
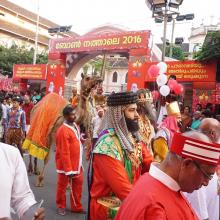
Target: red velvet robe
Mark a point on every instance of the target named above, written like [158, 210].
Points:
[110, 177]
[68, 150]
[69, 162]
[152, 200]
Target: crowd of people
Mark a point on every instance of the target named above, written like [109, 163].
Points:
[15, 112]
[193, 120]
[138, 168]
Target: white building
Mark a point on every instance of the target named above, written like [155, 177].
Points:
[198, 35]
[18, 26]
[116, 76]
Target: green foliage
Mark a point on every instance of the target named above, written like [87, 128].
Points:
[18, 55]
[210, 49]
[85, 68]
[96, 65]
[177, 53]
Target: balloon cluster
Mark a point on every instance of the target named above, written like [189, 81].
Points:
[165, 86]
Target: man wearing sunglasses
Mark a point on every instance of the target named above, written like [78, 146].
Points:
[189, 165]
[205, 201]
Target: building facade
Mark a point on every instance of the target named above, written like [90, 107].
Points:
[116, 75]
[18, 26]
[198, 35]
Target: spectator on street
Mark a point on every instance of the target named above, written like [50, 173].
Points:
[196, 120]
[186, 119]
[74, 100]
[27, 107]
[96, 121]
[198, 107]
[15, 124]
[36, 97]
[15, 190]
[8, 102]
[3, 117]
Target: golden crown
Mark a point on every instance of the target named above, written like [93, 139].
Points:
[173, 109]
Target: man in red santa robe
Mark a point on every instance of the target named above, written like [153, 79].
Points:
[189, 165]
[69, 163]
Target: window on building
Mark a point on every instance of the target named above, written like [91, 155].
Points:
[115, 77]
[126, 78]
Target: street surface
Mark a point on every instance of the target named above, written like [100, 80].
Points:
[48, 193]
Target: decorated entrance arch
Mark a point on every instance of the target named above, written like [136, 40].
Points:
[74, 52]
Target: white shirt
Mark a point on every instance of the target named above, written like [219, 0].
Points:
[205, 201]
[96, 121]
[197, 200]
[14, 186]
[9, 106]
[212, 198]
[163, 177]
[4, 111]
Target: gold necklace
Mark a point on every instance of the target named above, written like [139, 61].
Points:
[136, 156]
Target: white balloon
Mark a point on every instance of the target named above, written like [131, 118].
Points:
[161, 79]
[163, 67]
[164, 90]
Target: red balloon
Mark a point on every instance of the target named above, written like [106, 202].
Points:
[155, 94]
[178, 89]
[153, 71]
[172, 84]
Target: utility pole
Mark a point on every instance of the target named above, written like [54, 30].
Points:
[103, 67]
[164, 34]
[36, 34]
[172, 36]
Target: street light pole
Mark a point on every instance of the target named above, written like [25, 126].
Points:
[164, 34]
[164, 9]
[36, 35]
[172, 36]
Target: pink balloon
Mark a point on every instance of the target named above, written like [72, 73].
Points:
[153, 71]
[172, 83]
[155, 94]
[178, 89]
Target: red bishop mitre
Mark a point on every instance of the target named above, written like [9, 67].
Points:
[208, 153]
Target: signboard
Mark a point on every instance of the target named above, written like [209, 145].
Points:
[125, 40]
[203, 96]
[185, 71]
[55, 79]
[189, 71]
[29, 71]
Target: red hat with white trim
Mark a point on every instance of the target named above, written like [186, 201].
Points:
[187, 147]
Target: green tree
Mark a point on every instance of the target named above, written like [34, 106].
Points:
[210, 49]
[85, 68]
[18, 55]
[177, 53]
[96, 64]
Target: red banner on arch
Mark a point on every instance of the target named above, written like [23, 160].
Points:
[120, 41]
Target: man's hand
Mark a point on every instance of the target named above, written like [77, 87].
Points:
[40, 214]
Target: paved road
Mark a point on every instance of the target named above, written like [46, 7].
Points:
[48, 194]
